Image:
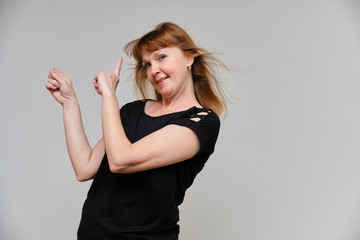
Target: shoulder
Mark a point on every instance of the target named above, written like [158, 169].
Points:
[130, 106]
[204, 122]
[203, 115]
[133, 103]
[200, 117]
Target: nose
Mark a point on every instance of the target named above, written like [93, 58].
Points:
[155, 68]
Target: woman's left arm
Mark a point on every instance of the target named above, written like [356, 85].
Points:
[166, 146]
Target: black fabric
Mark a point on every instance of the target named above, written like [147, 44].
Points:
[144, 205]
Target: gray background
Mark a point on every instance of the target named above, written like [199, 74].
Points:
[286, 164]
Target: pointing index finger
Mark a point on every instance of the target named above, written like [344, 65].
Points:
[118, 66]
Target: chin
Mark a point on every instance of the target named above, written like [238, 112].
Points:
[165, 93]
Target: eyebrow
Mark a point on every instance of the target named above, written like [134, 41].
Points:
[158, 52]
[155, 53]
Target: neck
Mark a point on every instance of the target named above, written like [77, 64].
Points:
[184, 99]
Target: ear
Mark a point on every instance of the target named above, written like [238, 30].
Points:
[190, 60]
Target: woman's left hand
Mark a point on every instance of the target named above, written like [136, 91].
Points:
[106, 82]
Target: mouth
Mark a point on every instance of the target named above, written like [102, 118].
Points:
[162, 80]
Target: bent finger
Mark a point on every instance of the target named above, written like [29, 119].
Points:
[54, 82]
[96, 77]
[58, 75]
[50, 86]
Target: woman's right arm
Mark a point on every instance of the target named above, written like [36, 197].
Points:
[84, 159]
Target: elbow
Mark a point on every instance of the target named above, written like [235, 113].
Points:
[117, 165]
[82, 177]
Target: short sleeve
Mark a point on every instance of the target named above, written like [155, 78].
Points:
[205, 123]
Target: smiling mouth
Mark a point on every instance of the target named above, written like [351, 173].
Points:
[162, 80]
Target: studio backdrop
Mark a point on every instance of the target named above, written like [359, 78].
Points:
[287, 162]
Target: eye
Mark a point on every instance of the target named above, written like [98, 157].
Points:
[146, 65]
[162, 57]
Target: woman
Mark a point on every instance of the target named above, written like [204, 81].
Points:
[151, 152]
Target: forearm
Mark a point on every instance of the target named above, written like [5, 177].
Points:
[117, 145]
[77, 143]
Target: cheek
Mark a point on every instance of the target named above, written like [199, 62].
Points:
[151, 80]
[149, 76]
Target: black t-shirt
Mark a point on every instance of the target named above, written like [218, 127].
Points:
[144, 205]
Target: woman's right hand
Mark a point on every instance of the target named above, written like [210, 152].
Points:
[60, 86]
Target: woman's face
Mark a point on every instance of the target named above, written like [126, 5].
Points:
[167, 70]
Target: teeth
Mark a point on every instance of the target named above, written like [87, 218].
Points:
[162, 79]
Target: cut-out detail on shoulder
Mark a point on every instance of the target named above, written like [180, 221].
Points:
[199, 115]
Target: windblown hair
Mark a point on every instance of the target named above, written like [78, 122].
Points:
[207, 88]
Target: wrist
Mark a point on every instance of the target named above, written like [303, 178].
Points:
[108, 94]
[70, 102]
